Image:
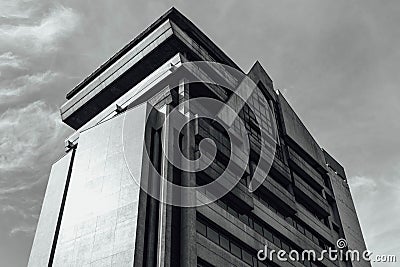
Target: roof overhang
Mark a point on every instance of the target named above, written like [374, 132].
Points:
[171, 34]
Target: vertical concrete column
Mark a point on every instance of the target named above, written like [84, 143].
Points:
[165, 210]
[188, 215]
[153, 205]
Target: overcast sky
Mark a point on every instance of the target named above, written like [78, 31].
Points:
[337, 63]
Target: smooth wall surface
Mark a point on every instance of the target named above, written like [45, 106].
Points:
[100, 217]
[42, 245]
[348, 217]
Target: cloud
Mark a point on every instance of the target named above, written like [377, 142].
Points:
[374, 198]
[9, 60]
[24, 84]
[28, 134]
[23, 213]
[24, 229]
[361, 183]
[43, 36]
[16, 9]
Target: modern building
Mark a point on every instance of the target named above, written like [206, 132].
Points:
[106, 204]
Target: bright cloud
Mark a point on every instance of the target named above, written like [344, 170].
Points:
[28, 134]
[24, 84]
[16, 8]
[9, 60]
[43, 36]
[25, 229]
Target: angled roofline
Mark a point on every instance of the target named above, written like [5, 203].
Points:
[184, 23]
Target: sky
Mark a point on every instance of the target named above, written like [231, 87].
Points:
[337, 63]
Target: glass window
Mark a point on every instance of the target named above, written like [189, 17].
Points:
[258, 228]
[285, 247]
[212, 235]
[236, 250]
[251, 222]
[247, 257]
[233, 212]
[308, 234]
[201, 228]
[244, 218]
[277, 242]
[300, 228]
[268, 235]
[224, 242]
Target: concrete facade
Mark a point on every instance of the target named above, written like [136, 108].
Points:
[97, 213]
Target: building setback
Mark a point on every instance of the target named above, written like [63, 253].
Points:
[95, 214]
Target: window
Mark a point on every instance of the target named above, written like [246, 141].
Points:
[212, 235]
[224, 242]
[244, 218]
[285, 247]
[236, 250]
[300, 228]
[268, 235]
[247, 257]
[258, 228]
[233, 212]
[277, 241]
[201, 228]
[201, 263]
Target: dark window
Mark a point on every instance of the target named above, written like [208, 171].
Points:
[300, 228]
[285, 247]
[277, 241]
[212, 235]
[233, 212]
[268, 235]
[247, 257]
[258, 228]
[244, 218]
[236, 250]
[201, 228]
[224, 242]
[201, 263]
[308, 234]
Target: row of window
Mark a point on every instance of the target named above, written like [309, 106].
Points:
[216, 168]
[306, 232]
[316, 214]
[260, 227]
[226, 242]
[236, 248]
[306, 184]
[304, 165]
[293, 221]
[255, 225]
[260, 197]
